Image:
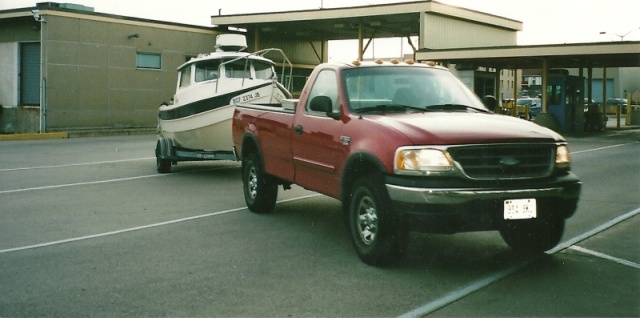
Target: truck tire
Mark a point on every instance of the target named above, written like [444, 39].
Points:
[260, 190]
[163, 165]
[376, 232]
[533, 236]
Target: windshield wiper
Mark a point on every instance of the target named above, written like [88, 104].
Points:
[387, 108]
[453, 107]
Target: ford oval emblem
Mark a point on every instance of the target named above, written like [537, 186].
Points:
[509, 161]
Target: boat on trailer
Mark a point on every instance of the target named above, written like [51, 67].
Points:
[196, 124]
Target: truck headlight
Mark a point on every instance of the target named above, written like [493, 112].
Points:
[421, 161]
[563, 159]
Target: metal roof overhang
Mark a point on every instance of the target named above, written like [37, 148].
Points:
[578, 55]
[376, 21]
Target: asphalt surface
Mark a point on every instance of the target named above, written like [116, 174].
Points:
[88, 228]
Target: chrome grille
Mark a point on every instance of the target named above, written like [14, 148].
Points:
[512, 161]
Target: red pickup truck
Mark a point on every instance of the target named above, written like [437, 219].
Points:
[407, 147]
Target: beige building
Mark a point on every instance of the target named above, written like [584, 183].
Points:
[66, 67]
[69, 68]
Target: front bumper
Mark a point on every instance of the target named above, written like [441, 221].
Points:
[459, 196]
[449, 205]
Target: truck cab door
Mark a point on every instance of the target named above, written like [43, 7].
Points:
[318, 152]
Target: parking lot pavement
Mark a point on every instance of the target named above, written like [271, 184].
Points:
[118, 241]
[564, 284]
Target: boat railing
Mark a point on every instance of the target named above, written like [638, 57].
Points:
[286, 64]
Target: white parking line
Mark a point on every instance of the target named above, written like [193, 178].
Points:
[105, 181]
[87, 237]
[80, 184]
[486, 281]
[605, 256]
[602, 148]
[75, 164]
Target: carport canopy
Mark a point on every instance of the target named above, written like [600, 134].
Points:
[350, 23]
[578, 55]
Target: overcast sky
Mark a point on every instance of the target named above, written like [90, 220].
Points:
[545, 21]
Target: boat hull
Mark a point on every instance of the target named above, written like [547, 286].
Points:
[209, 131]
[210, 128]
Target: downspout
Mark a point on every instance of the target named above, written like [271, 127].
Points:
[43, 106]
[43, 81]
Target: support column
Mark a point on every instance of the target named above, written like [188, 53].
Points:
[544, 118]
[256, 40]
[545, 77]
[604, 94]
[360, 40]
[515, 96]
[497, 91]
[589, 84]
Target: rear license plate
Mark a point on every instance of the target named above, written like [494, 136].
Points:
[520, 209]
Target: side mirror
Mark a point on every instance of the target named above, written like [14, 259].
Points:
[490, 103]
[323, 104]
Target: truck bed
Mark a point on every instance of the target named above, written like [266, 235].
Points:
[287, 106]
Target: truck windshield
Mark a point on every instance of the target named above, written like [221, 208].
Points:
[411, 87]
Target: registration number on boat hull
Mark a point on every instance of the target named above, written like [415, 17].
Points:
[519, 209]
[245, 98]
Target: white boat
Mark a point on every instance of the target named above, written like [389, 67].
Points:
[199, 116]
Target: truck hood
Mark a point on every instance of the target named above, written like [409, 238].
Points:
[449, 128]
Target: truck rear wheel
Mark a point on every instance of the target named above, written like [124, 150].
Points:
[260, 191]
[376, 232]
[533, 236]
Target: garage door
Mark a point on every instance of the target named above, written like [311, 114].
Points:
[30, 74]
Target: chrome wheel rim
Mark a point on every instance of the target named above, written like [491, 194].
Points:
[252, 182]
[367, 221]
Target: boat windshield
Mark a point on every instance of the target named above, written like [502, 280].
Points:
[239, 69]
[185, 77]
[413, 88]
[263, 70]
[207, 70]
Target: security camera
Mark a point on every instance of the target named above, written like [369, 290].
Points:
[37, 16]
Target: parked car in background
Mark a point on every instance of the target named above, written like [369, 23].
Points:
[535, 106]
[618, 102]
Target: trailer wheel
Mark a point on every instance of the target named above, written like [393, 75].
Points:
[533, 236]
[260, 190]
[163, 165]
[377, 233]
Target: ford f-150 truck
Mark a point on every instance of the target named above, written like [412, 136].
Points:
[406, 146]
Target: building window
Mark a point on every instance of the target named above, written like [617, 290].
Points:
[29, 74]
[149, 61]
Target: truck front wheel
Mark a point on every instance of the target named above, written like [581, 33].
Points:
[376, 232]
[260, 191]
[533, 236]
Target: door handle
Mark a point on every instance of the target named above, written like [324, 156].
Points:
[298, 130]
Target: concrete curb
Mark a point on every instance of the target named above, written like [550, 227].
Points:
[34, 136]
[78, 134]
